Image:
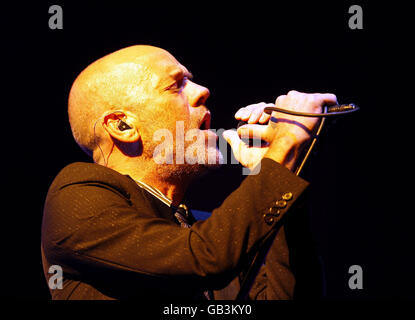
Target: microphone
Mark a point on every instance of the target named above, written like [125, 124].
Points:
[335, 110]
[342, 107]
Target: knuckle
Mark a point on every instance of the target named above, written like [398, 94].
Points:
[263, 106]
[259, 107]
[280, 99]
[312, 98]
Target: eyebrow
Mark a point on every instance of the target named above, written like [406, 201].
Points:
[176, 73]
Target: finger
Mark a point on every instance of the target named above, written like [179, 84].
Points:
[279, 100]
[245, 114]
[248, 110]
[255, 115]
[232, 137]
[253, 131]
[326, 98]
[265, 116]
[239, 113]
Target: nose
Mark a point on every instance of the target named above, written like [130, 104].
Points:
[196, 94]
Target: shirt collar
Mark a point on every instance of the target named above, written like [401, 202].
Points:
[159, 195]
[155, 192]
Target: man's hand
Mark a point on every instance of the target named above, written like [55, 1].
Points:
[249, 156]
[285, 135]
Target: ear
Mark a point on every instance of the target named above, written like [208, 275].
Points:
[111, 125]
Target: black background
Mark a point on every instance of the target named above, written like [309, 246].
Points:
[244, 53]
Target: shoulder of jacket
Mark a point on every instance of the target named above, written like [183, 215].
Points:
[93, 174]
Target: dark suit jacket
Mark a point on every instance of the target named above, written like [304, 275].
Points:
[114, 240]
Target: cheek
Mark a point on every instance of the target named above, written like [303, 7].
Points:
[169, 112]
[178, 110]
[174, 104]
[182, 103]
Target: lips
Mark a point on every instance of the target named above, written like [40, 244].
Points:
[204, 126]
[205, 123]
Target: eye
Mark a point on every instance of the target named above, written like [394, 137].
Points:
[179, 84]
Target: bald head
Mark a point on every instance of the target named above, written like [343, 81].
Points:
[119, 81]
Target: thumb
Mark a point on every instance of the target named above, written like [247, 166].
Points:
[253, 131]
[232, 137]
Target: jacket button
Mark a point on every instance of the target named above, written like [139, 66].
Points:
[287, 196]
[281, 204]
[268, 218]
[274, 212]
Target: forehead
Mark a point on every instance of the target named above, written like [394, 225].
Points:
[164, 66]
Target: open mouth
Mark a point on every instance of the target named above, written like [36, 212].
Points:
[205, 124]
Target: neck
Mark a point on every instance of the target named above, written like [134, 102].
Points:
[157, 176]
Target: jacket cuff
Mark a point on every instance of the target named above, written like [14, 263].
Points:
[286, 186]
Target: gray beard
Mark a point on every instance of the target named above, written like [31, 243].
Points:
[186, 172]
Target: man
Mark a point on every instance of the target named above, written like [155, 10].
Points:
[118, 227]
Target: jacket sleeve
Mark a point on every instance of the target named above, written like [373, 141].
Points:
[275, 280]
[292, 269]
[93, 231]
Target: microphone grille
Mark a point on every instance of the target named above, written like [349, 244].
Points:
[340, 108]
